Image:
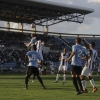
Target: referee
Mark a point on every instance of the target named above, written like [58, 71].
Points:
[32, 57]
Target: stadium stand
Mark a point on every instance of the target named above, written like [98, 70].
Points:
[9, 39]
[67, 44]
[42, 13]
[14, 48]
[97, 41]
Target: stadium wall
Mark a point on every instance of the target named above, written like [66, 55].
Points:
[46, 49]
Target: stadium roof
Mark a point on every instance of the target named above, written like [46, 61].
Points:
[42, 12]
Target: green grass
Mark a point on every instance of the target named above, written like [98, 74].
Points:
[11, 88]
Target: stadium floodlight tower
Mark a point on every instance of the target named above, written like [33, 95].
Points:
[41, 12]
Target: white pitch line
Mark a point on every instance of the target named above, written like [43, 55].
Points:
[97, 85]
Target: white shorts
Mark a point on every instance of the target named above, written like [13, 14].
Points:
[99, 70]
[86, 71]
[63, 67]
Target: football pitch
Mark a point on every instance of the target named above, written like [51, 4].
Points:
[12, 84]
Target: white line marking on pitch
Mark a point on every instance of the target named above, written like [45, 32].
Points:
[97, 85]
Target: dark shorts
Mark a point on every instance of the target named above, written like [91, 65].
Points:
[32, 70]
[76, 70]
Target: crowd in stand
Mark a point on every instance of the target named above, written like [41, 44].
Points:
[12, 39]
[49, 41]
[10, 55]
[17, 39]
[51, 56]
[9, 39]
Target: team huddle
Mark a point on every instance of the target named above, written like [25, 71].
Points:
[78, 73]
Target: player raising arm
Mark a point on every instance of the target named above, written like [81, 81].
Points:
[32, 68]
[76, 64]
[33, 40]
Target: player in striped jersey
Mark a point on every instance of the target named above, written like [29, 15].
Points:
[88, 70]
[63, 65]
[39, 47]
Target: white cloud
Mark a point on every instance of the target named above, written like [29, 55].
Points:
[93, 5]
[64, 27]
[88, 20]
[62, 1]
[84, 28]
[94, 0]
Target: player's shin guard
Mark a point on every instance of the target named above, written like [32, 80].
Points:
[57, 77]
[92, 83]
[79, 82]
[64, 77]
[26, 82]
[83, 84]
[75, 83]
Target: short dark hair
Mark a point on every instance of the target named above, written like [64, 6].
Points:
[33, 34]
[33, 47]
[78, 39]
[93, 44]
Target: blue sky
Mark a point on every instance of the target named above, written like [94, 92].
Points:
[91, 24]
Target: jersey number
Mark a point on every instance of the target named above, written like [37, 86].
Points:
[34, 57]
[79, 53]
